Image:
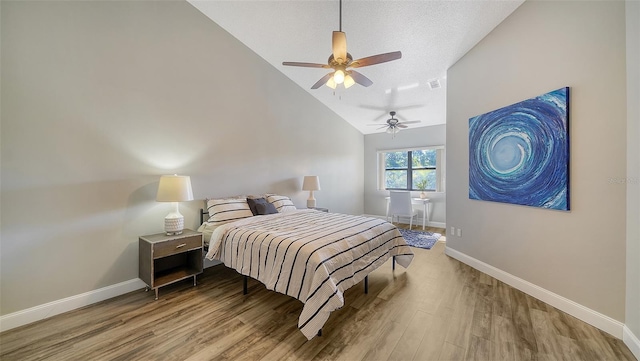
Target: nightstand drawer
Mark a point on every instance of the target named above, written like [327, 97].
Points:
[176, 246]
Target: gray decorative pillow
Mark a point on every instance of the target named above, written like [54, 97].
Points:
[265, 208]
[253, 202]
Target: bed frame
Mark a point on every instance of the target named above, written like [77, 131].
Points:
[245, 279]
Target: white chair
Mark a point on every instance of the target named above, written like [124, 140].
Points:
[400, 205]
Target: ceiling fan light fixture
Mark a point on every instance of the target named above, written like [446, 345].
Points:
[338, 76]
[392, 130]
[348, 81]
[331, 83]
[340, 60]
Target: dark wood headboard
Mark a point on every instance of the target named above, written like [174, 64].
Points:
[202, 214]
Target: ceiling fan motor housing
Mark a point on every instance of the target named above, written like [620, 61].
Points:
[333, 62]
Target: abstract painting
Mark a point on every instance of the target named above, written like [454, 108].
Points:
[519, 154]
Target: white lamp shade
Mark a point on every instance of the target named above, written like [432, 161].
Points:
[338, 76]
[331, 83]
[311, 183]
[392, 130]
[174, 188]
[348, 81]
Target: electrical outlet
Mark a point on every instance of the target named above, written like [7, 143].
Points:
[453, 230]
[459, 232]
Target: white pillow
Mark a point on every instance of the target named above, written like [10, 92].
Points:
[207, 229]
[225, 210]
[282, 203]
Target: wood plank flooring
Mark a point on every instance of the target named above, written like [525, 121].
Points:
[438, 309]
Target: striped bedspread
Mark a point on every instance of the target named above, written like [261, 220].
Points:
[310, 255]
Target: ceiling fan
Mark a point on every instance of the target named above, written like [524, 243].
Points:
[341, 62]
[394, 125]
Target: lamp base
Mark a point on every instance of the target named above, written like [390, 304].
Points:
[311, 203]
[173, 225]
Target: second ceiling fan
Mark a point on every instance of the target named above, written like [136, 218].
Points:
[341, 62]
[394, 125]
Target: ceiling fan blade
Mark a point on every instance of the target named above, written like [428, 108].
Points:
[384, 111]
[400, 117]
[306, 65]
[411, 122]
[382, 127]
[380, 117]
[322, 81]
[399, 125]
[373, 107]
[339, 46]
[360, 79]
[376, 59]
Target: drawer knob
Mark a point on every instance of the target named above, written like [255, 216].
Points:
[181, 245]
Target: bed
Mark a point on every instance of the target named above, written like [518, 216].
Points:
[311, 255]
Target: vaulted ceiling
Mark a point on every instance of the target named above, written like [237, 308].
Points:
[432, 35]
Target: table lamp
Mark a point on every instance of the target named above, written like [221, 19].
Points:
[311, 183]
[174, 188]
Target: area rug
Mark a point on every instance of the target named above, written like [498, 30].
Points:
[419, 239]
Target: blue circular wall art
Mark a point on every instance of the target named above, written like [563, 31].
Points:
[519, 154]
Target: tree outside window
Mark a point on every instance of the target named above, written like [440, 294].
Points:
[407, 170]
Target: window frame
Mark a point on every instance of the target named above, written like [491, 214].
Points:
[439, 168]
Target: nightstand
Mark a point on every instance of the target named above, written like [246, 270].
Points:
[320, 209]
[168, 259]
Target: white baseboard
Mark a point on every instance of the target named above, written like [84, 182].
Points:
[50, 309]
[406, 221]
[436, 224]
[594, 318]
[632, 342]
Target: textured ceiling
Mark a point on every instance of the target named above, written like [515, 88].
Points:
[432, 36]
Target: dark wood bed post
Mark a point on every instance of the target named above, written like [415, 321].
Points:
[244, 285]
[366, 285]
[393, 263]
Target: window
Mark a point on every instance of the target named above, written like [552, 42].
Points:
[412, 169]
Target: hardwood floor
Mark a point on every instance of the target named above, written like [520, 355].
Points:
[438, 309]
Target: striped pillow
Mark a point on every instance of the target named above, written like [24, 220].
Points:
[226, 210]
[282, 203]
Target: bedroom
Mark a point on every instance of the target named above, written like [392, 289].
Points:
[81, 153]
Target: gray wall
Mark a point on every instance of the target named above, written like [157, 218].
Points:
[632, 319]
[101, 98]
[374, 199]
[541, 47]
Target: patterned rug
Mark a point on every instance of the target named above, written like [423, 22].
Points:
[419, 239]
